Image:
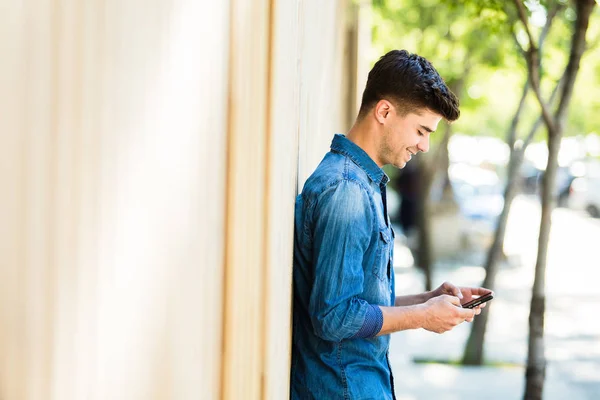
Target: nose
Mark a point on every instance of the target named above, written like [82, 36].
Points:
[423, 144]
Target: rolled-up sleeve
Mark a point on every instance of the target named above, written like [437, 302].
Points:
[342, 222]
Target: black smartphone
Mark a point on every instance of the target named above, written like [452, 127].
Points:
[480, 300]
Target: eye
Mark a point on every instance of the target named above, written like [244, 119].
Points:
[420, 133]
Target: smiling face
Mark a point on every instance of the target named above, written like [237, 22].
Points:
[403, 136]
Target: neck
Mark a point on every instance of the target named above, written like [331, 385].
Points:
[366, 137]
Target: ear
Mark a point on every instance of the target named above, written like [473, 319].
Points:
[382, 111]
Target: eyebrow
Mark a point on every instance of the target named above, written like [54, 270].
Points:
[427, 129]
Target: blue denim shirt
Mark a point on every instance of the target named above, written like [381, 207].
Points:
[343, 250]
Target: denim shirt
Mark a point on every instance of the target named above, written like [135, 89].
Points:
[343, 250]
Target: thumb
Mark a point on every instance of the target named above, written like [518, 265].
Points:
[458, 293]
[455, 290]
[467, 313]
[452, 299]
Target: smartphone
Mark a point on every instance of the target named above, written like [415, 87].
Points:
[480, 300]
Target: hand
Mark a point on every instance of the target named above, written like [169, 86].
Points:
[465, 294]
[471, 293]
[444, 312]
[447, 288]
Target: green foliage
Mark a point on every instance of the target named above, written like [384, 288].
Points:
[471, 44]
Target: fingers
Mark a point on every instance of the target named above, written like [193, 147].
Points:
[479, 307]
[463, 313]
[452, 299]
[479, 291]
[452, 289]
[456, 291]
[476, 311]
[467, 314]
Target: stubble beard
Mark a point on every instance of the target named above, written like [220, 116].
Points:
[397, 160]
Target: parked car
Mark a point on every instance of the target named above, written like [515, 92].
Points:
[585, 195]
[479, 195]
[477, 191]
[532, 182]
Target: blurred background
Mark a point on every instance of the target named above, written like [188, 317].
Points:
[151, 152]
[471, 209]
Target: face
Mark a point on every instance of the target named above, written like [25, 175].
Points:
[403, 136]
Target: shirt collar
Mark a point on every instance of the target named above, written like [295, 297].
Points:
[341, 144]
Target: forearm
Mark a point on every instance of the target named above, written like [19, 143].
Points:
[412, 299]
[401, 318]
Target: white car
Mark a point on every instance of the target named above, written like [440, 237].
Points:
[585, 195]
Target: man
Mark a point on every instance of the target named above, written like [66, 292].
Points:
[344, 301]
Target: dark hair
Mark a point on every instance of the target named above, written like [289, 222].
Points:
[411, 83]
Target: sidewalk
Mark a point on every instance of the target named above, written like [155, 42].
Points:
[572, 330]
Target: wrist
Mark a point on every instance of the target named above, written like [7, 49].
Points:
[429, 295]
[420, 314]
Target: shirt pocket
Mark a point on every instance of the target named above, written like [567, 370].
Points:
[382, 259]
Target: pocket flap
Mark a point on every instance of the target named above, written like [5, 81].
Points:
[384, 236]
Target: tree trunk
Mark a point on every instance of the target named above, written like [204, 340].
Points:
[427, 173]
[425, 252]
[474, 349]
[443, 160]
[536, 360]
[474, 354]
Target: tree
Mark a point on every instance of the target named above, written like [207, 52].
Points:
[474, 348]
[536, 361]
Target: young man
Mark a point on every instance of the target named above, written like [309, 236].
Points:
[344, 301]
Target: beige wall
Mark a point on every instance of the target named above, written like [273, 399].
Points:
[150, 153]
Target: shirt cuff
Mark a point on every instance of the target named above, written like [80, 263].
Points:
[372, 324]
